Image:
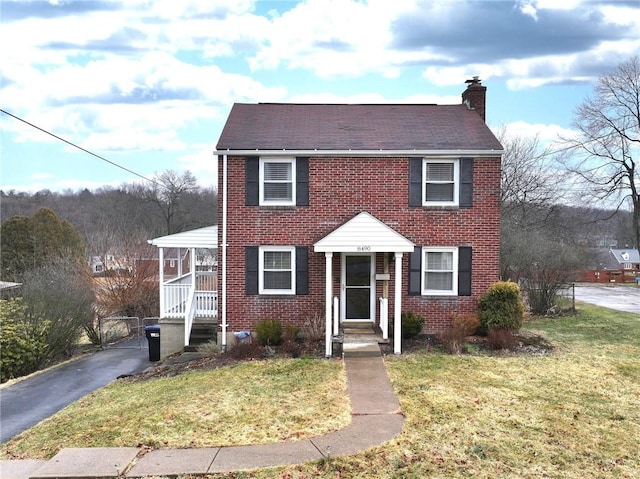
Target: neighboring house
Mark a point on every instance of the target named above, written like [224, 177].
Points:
[366, 210]
[611, 265]
[626, 259]
[110, 263]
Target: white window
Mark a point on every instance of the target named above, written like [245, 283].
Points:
[440, 271]
[277, 181]
[276, 270]
[441, 182]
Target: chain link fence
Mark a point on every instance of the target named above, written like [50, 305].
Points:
[124, 332]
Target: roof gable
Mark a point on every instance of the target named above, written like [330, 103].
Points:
[626, 255]
[364, 233]
[286, 126]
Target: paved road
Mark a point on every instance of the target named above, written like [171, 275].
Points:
[620, 298]
[33, 399]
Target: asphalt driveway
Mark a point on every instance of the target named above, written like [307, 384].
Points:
[620, 298]
[27, 402]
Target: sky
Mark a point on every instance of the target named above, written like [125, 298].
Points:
[147, 84]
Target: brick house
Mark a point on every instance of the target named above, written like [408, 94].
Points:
[357, 212]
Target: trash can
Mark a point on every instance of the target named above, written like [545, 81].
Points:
[153, 336]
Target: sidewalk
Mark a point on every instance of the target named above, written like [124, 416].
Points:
[375, 419]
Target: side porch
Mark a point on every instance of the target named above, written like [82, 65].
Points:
[188, 269]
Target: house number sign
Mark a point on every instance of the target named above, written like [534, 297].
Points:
[363, 248]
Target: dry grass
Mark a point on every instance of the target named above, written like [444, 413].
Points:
[253, 402]
[572, 414]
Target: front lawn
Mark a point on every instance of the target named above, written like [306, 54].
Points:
[573, 413]
[249, 403]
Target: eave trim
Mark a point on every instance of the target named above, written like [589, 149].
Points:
[380, 153]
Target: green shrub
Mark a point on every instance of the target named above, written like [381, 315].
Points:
[22, 343]
[269, 332]
[411, 324]
[501, 307]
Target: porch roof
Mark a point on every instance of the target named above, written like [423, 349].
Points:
[364, 233]
[206, 237]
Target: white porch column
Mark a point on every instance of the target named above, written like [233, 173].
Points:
[397, 307]
[328, 257]
[161, 273]
[193, 267]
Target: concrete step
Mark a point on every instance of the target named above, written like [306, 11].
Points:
[360, 350]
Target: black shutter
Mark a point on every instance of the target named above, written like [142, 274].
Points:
[251, 269]
[302, 181]
[466, 182]
[464, 271]
[415, 272]
[252, 181]
[415, 181]
[302, 270]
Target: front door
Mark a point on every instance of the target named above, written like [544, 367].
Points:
[358, 287]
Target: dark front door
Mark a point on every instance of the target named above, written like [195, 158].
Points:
[357, 288]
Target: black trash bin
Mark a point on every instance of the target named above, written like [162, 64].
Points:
[153, 337]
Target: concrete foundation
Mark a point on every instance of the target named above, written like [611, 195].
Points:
[171, 336]
[232, 339]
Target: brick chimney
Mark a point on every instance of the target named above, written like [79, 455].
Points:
[474, 96]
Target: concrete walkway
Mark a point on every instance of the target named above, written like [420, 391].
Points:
[375, 419]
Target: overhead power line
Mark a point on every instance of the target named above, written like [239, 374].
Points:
[80, 148]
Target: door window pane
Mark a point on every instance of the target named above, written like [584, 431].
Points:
[358, 270]
[358, 303]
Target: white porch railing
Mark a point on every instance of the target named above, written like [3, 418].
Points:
[179, 291]
[384, 317]
[189, 317]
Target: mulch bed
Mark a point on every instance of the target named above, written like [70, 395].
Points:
[525, 343]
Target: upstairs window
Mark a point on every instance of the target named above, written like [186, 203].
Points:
[277, 182]
[441, 182]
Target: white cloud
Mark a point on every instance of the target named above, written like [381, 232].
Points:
[332, 37]
[202, 164]
[548, 134]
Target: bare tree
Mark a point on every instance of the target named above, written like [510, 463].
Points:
[605, 153]
[169, 193]
[530, 183]
[129, 286]
[529, 201]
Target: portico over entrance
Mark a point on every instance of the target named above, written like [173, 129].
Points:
[358, 242]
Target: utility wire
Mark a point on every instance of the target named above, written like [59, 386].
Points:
[80, 148]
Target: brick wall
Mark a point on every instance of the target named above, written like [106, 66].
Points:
[339, 189]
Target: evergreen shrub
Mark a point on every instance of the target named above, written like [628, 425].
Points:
[501, 307]
[411, 324]
[269, 332]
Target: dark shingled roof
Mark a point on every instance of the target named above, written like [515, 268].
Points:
[286, 126]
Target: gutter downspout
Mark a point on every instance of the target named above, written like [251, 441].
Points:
[223, 308]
